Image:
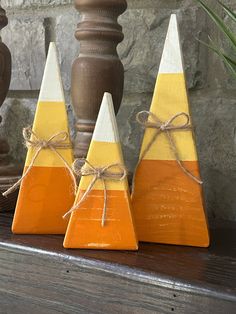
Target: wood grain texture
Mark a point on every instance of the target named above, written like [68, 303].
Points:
[49, 204]
[38, 276]
[173, 212]
[85, 229]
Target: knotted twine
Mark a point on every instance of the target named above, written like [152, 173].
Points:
[103, 174]
[166, 128]
[54, 143]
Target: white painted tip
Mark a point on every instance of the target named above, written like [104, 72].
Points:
[52, 87]
[171, 61]
[106, 127]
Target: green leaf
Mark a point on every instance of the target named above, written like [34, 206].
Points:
[220, 23]
[221, 53]
[231, 64]
[218, 52]
[230, 60]
[229, 12]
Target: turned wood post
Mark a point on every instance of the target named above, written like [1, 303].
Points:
[5, 61]
[98, 68]
[8, 172]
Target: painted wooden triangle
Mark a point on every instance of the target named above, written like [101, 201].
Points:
[46, 192]
[85, 229]
[168, 204]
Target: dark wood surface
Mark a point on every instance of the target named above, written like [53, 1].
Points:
[37, 274]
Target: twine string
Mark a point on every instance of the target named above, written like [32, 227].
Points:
[54, 143]
[103, 174]
[143, 118]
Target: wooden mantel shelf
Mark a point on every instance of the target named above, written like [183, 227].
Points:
[38, 276]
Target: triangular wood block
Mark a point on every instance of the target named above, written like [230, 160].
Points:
[168, 204]
[46, 192]
[85, 229]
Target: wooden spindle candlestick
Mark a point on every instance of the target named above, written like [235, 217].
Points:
[5, 61]
[8, 172]
[98, 68]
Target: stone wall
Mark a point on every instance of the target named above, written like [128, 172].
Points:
[34, 23]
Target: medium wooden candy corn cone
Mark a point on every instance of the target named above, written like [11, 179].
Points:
[85, 229]
[168, 202]
[47, 192]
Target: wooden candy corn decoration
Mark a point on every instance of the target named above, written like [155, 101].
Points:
[167, 199]
[47, 191]
[85, 229]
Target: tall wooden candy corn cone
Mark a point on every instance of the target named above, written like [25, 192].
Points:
[46, 192]
[168, 204]
[85, 228]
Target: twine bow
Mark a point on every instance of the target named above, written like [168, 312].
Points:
[166, 128]
[99, 173]
[55, 142]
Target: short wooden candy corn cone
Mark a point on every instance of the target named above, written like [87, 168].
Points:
[85, 229]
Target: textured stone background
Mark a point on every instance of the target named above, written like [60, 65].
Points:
[34, 23]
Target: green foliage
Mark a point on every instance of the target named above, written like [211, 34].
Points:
[229, 61]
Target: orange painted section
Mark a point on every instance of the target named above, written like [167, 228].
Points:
[168, 204]
[85, 229]
[38, 210]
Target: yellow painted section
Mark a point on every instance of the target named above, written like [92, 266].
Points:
[103, 154]
[50, 119]
[170, 97]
